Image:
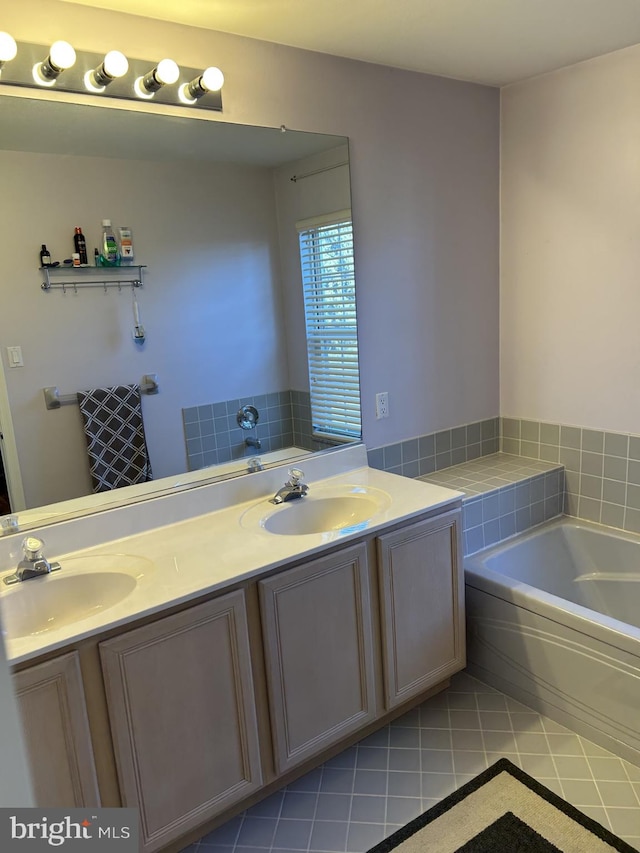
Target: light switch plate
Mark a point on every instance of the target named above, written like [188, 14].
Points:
[14, 356]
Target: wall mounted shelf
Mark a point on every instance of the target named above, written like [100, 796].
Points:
[61, 278]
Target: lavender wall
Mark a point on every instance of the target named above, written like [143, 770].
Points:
[570, 249]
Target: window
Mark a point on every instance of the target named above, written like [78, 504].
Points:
[326, 255]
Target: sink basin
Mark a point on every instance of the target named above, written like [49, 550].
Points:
[44, 604]
[300, 517]
[342, 511]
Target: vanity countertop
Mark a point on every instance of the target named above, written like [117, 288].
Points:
[192, 558]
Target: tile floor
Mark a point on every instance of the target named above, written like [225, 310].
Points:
[368, 791]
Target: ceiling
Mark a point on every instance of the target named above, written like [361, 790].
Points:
[495, 42]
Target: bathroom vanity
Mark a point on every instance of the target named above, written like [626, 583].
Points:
[244, 656]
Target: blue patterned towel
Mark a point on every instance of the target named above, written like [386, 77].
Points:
[116, 444]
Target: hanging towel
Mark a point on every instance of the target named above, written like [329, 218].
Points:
[117, 448]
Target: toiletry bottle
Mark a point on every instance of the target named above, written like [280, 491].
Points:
[109, 256]
[126, 244]
[81, 246]
[96, 258]
[45, 257]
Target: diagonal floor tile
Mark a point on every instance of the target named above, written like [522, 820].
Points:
[364, 793]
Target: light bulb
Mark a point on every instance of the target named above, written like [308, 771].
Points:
[61, 57]
[211, 80]
[8, 48]
[114, 65]
[165, 73]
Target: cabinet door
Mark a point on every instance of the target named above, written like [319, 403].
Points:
[183, 720]
[319, 653]
[421, 595]
[56, 731]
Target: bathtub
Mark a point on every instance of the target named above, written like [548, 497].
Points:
[553, 619]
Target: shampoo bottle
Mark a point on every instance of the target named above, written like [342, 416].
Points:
[126, 244]
[109, 248]
[81, 246]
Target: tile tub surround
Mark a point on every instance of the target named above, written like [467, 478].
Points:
[505, 495]
[438, 450]
[212, 434]
[602, 469]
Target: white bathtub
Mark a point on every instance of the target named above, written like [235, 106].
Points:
[554, 620]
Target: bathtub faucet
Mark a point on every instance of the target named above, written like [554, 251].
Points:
[253, 442]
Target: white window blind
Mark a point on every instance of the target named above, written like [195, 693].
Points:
[326, 255]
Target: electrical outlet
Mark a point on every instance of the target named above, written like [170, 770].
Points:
[382, 405]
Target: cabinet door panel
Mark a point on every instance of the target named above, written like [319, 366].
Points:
[318, 651]
[421, 592]
[182, 711]
[56, 730]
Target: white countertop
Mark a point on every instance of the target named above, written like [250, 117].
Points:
[182, 561]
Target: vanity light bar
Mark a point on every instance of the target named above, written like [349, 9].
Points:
[112, 75]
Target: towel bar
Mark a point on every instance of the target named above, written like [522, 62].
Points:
[53, 399]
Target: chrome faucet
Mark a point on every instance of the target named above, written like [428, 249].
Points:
[293, 488]
[33, 564]
[253, 442]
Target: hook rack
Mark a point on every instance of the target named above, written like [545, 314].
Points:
[52, 281]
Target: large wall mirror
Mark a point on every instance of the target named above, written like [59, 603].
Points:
[214, 212]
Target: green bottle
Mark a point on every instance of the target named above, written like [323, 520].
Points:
[109, 256]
